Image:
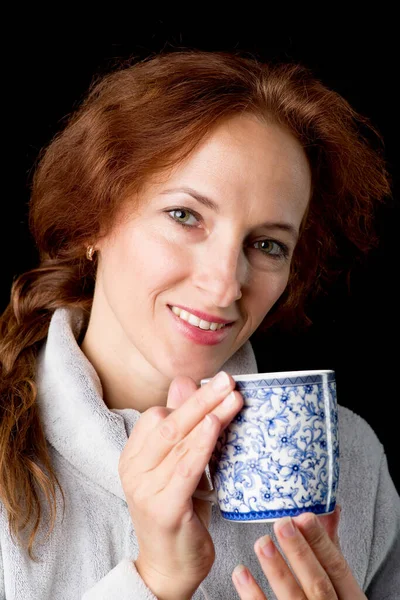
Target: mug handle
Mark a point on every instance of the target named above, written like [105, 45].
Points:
[209, 496]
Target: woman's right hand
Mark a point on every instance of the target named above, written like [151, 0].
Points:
[160, 468]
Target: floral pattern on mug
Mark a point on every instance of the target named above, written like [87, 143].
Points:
[280, 455]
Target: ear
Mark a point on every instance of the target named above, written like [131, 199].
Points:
[180, 390]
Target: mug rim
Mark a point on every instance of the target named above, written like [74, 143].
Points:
[276, 375]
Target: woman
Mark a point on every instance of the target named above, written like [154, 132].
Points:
[190, 182]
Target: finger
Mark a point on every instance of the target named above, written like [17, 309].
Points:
[246, 585]
[148, 421]
[331, 524]
[180, 389]
[191, 448]
[310, 574]
[181, 478]
[226, 411]
[183, 420]
[183, 387]
[276, 570]
[225, 415]
[178, 485]
[330, 557]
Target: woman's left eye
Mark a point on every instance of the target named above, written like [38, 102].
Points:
[282, 252]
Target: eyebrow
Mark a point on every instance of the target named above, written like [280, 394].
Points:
[212, 205]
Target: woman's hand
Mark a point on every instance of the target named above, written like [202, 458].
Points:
[312, 549]
[160, 468]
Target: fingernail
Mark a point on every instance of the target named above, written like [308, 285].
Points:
[207, 423]
[241, 574]
[221, 382]
[286, 527]
[266, 546]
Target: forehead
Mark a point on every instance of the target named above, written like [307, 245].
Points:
[243, 155]
[245, 165]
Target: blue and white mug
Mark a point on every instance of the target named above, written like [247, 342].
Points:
[280, 455]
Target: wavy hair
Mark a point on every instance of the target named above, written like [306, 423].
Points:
[135, 121]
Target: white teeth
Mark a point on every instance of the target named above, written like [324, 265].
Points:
[193, 320]
[186, 316]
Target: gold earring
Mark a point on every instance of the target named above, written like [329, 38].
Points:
[89, 252]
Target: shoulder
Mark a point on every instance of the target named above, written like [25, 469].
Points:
[357, 435]
[370, 521]
[361, 453]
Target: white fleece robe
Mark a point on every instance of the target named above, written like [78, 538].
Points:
[90, 554]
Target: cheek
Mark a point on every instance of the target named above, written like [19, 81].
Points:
[265, 293]
[269, 287]
[141, 263]
[281, 284]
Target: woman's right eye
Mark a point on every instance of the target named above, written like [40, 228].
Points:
[183, 211]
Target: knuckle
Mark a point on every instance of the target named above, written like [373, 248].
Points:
[168, 430]
[140, 496]
[202, 398]
[183, 469]
[338, 568]
[186, 516]
[202, 449]
[157, 413]
[181, 448]
[298, 552]
[317, 536]
[321, 589]
[280, 573]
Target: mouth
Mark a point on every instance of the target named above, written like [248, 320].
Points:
[224, 325]
[200, 336]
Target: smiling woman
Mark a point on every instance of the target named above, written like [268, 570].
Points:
[259, 178]
[192, 199]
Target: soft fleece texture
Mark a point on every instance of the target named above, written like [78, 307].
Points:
[90, 554]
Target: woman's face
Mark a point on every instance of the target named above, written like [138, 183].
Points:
[231, 261]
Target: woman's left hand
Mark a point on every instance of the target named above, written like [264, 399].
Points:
[311, 547]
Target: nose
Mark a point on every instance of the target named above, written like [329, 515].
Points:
[221, 273]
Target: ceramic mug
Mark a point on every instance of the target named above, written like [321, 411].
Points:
[280, 455]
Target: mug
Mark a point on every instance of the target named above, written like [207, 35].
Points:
[279, 456]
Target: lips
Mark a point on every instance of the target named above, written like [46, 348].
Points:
[203, 337]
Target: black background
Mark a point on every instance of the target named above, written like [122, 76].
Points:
[355, 333]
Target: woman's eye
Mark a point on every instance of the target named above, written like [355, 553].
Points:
[270, 249]
[281, 250]
[181, 213]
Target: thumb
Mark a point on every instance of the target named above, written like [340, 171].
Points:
[180, 390]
